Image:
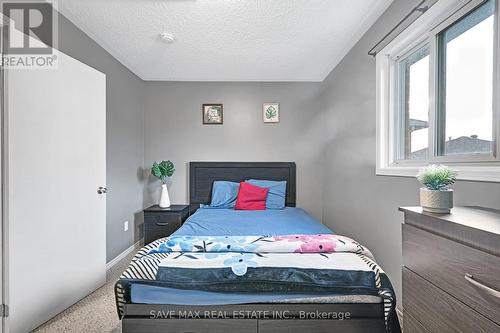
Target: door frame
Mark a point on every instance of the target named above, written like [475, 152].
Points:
[4, 310]
[3, 196]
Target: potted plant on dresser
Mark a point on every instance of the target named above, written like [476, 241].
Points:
[163, 171]
[436, 196]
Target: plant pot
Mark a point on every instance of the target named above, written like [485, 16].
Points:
[436, 201]
[164, 199]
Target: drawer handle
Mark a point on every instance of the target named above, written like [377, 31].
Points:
[488, 290]
[161, 224]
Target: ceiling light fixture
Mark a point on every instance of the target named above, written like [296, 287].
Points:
[167, 37]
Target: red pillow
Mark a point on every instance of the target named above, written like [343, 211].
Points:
[251, 197]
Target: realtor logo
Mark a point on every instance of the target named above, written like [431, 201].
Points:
[29, 34]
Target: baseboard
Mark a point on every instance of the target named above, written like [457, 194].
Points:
[136, 246]
[399, 311]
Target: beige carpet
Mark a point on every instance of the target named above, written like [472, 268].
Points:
[95, 313]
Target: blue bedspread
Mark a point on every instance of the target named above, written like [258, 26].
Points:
[230, 222]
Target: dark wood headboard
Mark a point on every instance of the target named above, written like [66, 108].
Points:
[203, 174]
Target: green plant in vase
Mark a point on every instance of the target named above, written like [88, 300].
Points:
[163, 171]
[436, 196]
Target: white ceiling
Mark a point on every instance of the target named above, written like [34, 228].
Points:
[226, 40]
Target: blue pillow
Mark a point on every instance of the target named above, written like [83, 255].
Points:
[277, 192]
[224, 194]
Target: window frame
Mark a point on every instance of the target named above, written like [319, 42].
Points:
[425, 31]
[398, 99]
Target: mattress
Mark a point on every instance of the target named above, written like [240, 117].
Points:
[150, 294]
[270, 222]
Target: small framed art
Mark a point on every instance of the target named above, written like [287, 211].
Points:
[271, 112]
[212, 114]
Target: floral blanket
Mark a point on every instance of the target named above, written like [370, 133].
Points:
[250, 244]
[293, 263]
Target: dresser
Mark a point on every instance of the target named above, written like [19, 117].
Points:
[162, 222]
[451, 270]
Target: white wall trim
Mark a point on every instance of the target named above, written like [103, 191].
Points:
[489, 174]
[136, 246]
[399, 311]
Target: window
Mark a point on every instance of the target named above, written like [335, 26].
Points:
[437, 92]
[414, 105]
[466, 84]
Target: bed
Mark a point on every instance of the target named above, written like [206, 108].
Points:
[253, 271]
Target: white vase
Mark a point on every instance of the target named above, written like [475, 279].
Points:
[440, 202]
[164, 199]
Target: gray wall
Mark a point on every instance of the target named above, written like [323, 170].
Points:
[356, 202]
[327, 128]
[125, 139]
[174, 130]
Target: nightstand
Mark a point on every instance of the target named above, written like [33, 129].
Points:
[162, 222]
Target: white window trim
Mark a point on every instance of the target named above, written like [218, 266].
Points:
[475, 168]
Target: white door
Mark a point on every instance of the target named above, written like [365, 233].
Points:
[56, 161]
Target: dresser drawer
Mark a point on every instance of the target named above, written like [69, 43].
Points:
[439, 311]
[158, 226]
[411, 325]
[445, 263]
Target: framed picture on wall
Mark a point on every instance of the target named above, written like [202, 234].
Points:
[212, 114]
[271, 112]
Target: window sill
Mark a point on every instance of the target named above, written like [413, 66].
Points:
[478, 173]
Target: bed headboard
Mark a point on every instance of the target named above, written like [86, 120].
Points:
[203, 174]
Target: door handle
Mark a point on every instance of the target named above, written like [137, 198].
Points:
[102, 190]
[487, 289]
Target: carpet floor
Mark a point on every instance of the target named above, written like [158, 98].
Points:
[96, 313]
